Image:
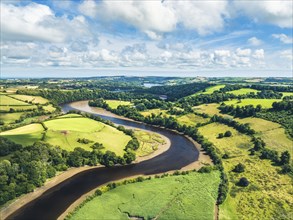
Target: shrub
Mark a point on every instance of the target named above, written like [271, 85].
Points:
[228, 134]
[205, 169]
[239, 168]
[243, 182]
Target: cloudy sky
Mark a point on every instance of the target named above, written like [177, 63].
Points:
[87, 37]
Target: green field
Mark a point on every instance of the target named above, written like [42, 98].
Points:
[212, 89]
[191, 196]
[25, 135]
[287, 94]
[17, 108]
[265, 103]
[191, 119]
[210, 109]
[33, 99]
[49, 108]
[155, 111]
[64, 132]
[115, 103]
[269, 194]
[8, 118]
[273, 134]
[6, 100]
[243, 91]
[148, 142]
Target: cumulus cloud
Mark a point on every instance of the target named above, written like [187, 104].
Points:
[37, 22]
[277, 12]
[254, 41]
[283, 38]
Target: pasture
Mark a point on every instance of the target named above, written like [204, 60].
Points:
[273, 134]
[8, 118]
[191, 119]
[269, 194]
[265, 103]
[6, 100]
[29, 98]
[115, 103]
[243, 91]
[155, 111]
[210, 109]
[172, 197]
[148, 141]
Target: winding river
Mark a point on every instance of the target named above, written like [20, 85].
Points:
[56, 200]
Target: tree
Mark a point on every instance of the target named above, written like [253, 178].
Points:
[285, 158]
[221, 135]
[228, 134]
[239, 168]
[243, 182]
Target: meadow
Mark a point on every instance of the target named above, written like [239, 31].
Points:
[265, 103]
[6, 100]
[149, 142]
[155, 111]
[210, 109]
[191, 196]
[191, 119]
[210, 90]
[269, 194]
[65, 132]
[8, 118]
[115, 103]
[273, 134]
[32, 99]
[243, 91]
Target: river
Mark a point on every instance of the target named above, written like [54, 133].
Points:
[56, 200]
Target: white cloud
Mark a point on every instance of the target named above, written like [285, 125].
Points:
[89, 8]
[36, 22]
[254, 41]
[283, 38]
[277, 12]
[243, 52]
[259, 54]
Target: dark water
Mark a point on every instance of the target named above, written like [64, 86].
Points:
[56, 200]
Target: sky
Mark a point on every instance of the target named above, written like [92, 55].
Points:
[73, 38]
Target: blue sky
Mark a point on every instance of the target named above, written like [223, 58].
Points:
[183, 38]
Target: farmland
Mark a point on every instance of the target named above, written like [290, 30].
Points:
[172, 197]
[115, 103]
[191, 119]
[243, 91]
[265, 103]
[267, 186]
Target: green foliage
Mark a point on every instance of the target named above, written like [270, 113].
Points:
[239, 168]
[243, 182]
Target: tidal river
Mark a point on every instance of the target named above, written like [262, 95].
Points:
[56, 200]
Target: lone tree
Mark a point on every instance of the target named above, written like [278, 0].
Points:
[239, 168]
[228, 134]
[243, 182]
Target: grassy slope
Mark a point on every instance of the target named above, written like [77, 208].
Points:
[243, 91]
[111, 138]
[25, 135]
[10, 117]
[33, 99]
[269, 194]
[272, 133]
[191, 119]
[18, 108]
[75, 128]
[210, 109]
[115, 103]
[265, 103]
[6, 100]
[287, 94]
[191, 196]
[155, 111]
[149, 142]
[49, 108]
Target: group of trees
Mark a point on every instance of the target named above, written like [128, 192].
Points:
[226, 134]
[241, 112]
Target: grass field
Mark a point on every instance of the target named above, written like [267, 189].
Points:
[269, 195]
[70, 116]
[265, 103]
[18, 108]
[33, 99]
[210, 109]
[287, 94]
[191, 119]
[6, 100]
[149, 142]
[115, 103]
[191, 196]
[10, 117]
[64, 132]
[243, 91]
[49, 108]
[25, 135]
[155, 111]
[272, 133]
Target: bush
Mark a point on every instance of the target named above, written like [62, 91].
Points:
[228, 134]
[205, 169]
[239, 168]
[226, 156]
[221, 135]
[98, 192]
[243, 182]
